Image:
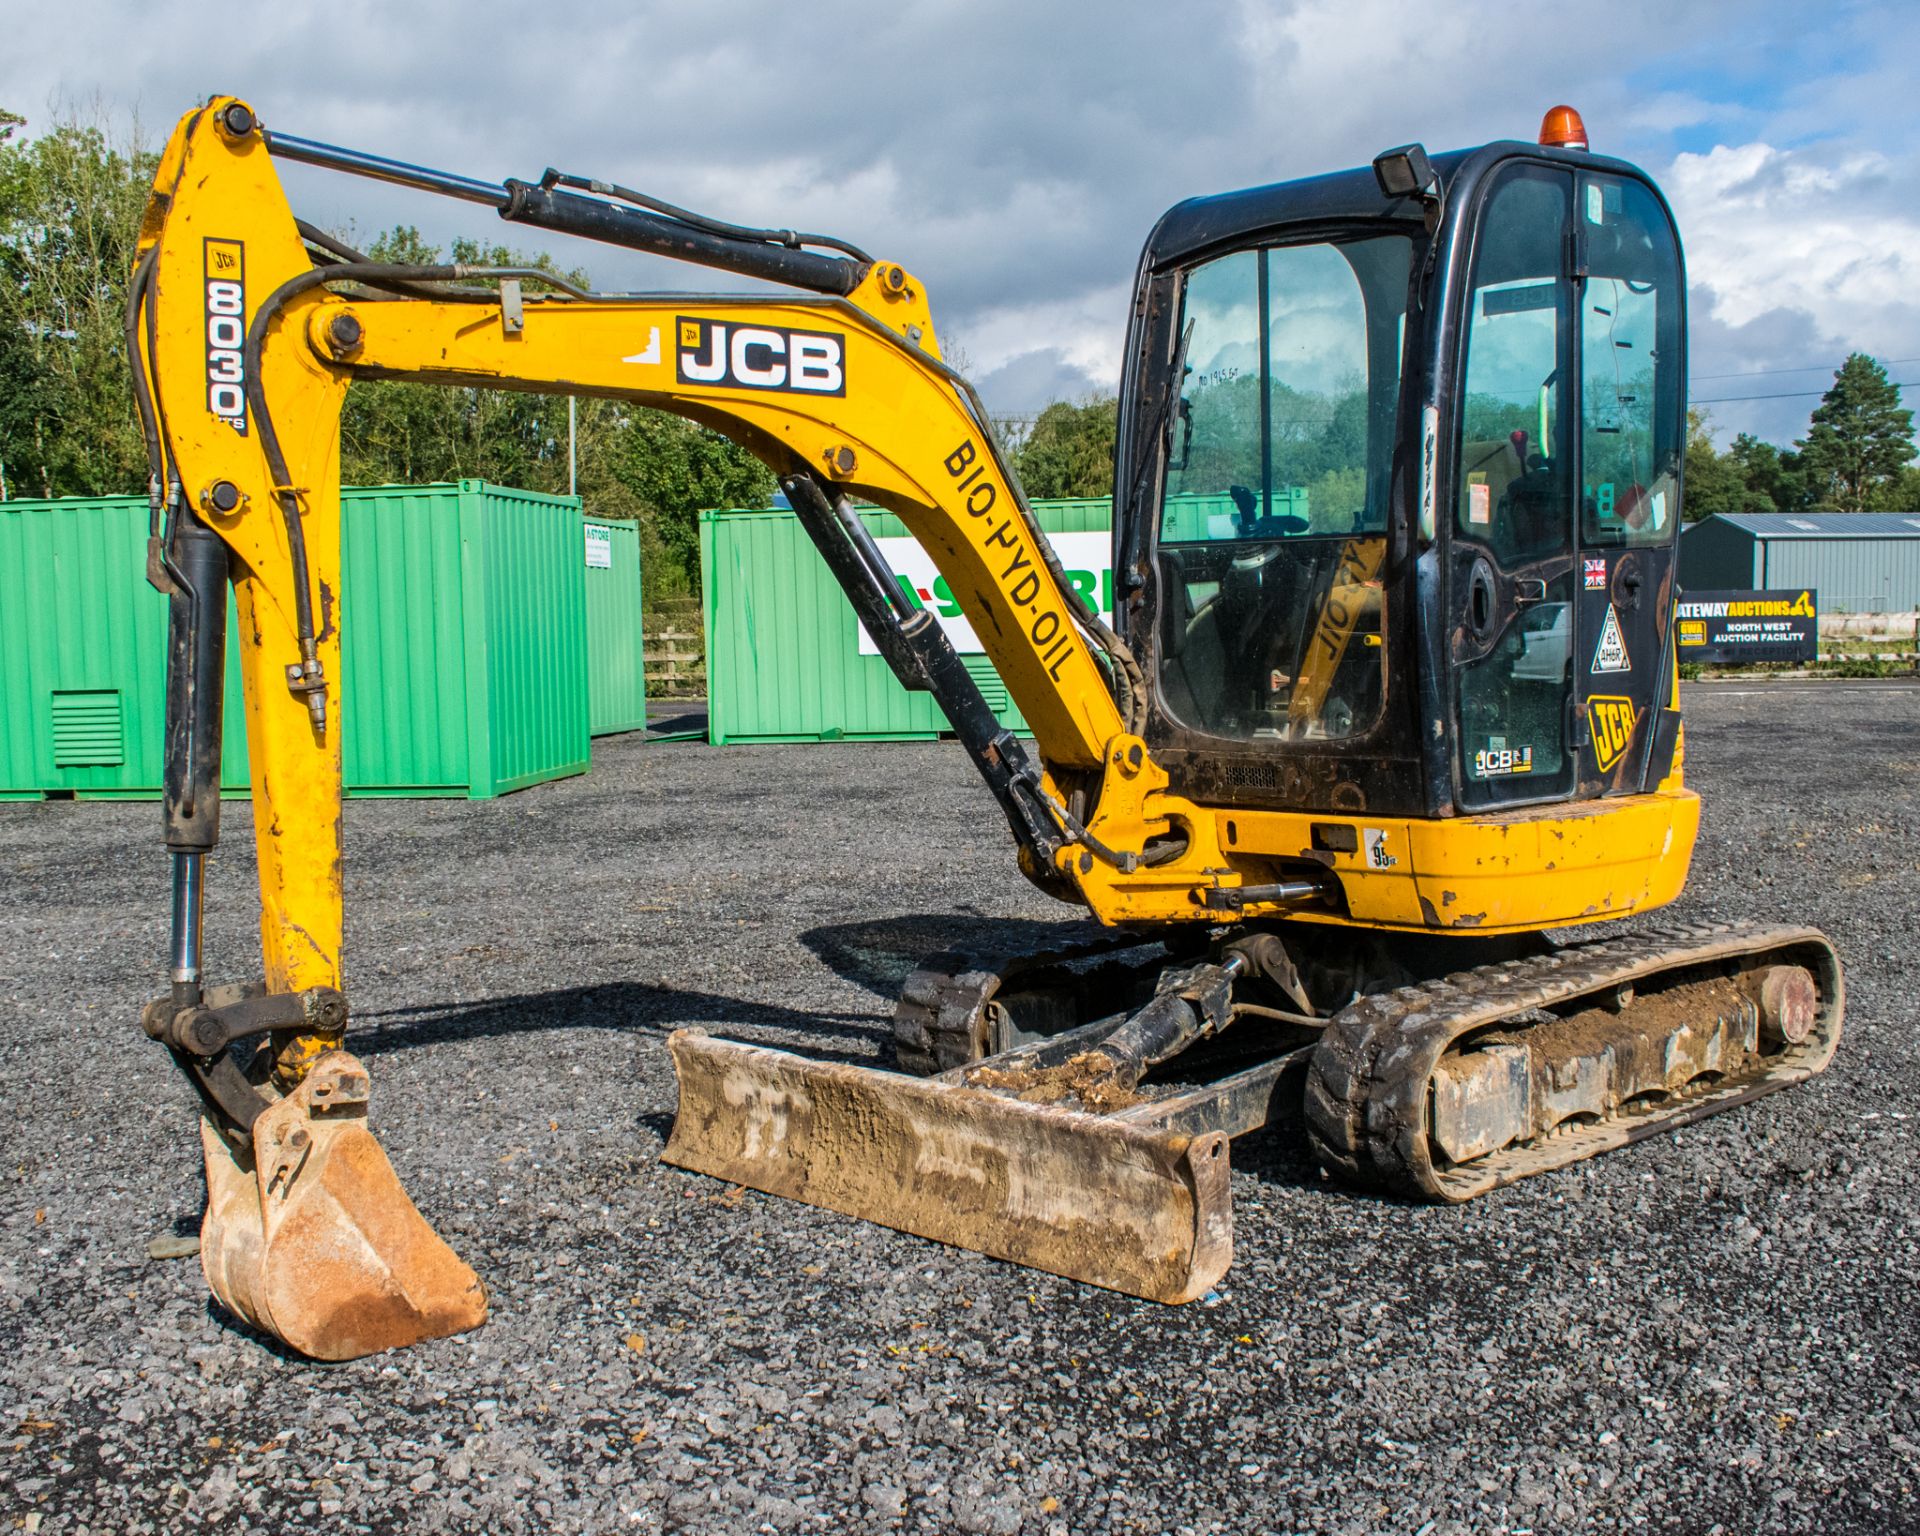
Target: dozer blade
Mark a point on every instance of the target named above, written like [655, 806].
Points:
[1133, 1208]
[313, 1240]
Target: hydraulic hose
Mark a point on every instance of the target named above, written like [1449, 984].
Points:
[312, 681]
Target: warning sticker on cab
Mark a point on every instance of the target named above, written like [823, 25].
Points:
[1610, 655]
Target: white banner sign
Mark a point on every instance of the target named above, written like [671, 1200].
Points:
[1084, 556]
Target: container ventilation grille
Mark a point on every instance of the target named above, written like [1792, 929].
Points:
[988, 682]
[86, 729]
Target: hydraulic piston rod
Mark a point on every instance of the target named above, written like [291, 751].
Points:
[196, 667]
[184, 968]
[592, 218]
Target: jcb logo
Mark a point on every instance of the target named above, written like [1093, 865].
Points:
[759, 357]
[1610, 720]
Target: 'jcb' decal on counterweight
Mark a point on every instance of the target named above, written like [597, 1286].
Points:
[226, 280]
[760, 357]
[1610, 722]
[1019, 577]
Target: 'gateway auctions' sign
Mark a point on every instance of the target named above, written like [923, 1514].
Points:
[1735, 627]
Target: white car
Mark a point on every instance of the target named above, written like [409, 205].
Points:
[1546, 637]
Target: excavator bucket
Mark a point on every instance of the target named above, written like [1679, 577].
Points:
[1131, 1207]
[313, 1240]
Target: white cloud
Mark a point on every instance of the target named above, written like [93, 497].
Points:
[1797, 256]
[1085, 331]
[1766, 227]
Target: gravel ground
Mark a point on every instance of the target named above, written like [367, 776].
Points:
[1717, 1332]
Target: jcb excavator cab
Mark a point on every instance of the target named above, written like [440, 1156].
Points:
[1399, 483]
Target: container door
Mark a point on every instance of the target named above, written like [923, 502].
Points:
[1632, 440]
[1511, 585]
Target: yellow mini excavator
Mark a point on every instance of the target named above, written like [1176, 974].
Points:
[1387, 698]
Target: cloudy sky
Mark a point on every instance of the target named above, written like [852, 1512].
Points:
[1014, 153]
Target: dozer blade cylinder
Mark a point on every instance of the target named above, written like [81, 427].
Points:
[1131, 1208]
[312, 1239]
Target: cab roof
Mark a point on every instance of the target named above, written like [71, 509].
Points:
[1202, 224]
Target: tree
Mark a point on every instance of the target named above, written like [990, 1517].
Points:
[1903, 495]
[394, 431]
[676, 470]
[1860, 441]
[1069, 452]
[1775, 481]
[70, 207]
[655, 469]
[1751, 476]
[1713, 482]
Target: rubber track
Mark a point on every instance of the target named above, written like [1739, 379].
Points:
[1368, 1084]
[940, 1021]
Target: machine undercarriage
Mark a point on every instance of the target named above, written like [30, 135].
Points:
[1095, 1147]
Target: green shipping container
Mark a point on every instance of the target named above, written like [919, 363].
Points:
[616, 649]
[784, 660]
[464, 653]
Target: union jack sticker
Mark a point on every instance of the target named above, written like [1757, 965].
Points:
[1596, 573]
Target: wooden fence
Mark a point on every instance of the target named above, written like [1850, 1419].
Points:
[675, 650]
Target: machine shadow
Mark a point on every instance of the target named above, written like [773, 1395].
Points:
[876, 954]
[231, 1322]
[1280, 1153]
[880, 953]
[627, 1007]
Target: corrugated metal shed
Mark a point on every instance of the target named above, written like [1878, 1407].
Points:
[783, 650]
[1859, 562]
[616, 648]
[1821, 525]
[464, 659]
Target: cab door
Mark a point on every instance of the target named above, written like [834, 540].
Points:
[1632, 440]
[1512, 601]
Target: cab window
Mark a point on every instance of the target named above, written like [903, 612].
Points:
[1272, 528]
[1631, 368]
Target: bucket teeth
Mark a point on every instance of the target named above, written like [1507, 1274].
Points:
[313, 1240]
[1133, 1208]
